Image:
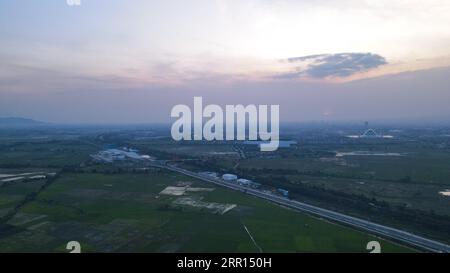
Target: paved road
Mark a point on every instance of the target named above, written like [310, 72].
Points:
[374, 228]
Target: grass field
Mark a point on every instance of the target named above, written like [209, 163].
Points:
[413, 179]
[125, 213]
[44, 151]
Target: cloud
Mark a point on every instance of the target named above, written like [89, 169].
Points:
[333, 65]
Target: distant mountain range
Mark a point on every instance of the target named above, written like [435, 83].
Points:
[20, 122]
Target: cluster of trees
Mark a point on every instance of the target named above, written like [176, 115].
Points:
[108, 169]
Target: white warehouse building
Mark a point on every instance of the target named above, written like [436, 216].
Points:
[245, 182]
[229, 177]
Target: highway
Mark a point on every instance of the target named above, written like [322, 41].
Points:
[377, 229]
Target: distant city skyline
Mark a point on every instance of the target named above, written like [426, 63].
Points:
[130, 62]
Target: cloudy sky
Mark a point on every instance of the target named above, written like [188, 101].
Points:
[131, 61]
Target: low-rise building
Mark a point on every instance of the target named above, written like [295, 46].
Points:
[229, 177]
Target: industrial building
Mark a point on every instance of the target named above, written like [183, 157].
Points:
[248, 183]
[111, 155]
[244, 182]
[229, 177]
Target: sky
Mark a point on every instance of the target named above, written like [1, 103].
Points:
[119, 61]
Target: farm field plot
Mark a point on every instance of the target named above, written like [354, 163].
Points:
[127, 213]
